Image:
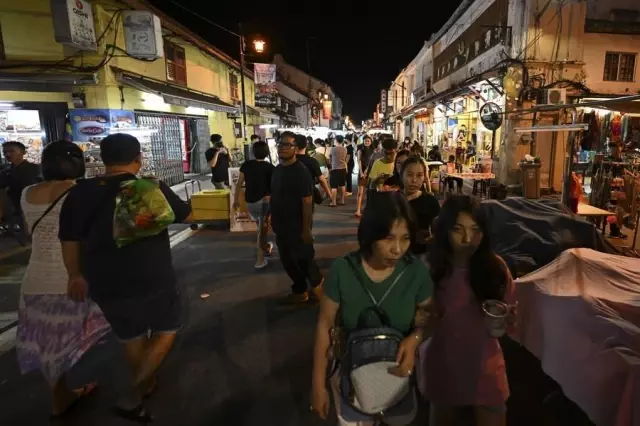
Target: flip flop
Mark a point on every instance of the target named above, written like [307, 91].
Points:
[138, 414]
[85, 391]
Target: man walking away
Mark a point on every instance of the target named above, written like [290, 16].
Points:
[338, 174]
[135, 285]
[291, 217]
[311, 164]
[218, 159]
[256, 176]
[351, 164]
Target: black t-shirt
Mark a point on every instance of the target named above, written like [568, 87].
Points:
[312, 165]
[257, 175]
[350, 163]
[16, 178]
[435, 155]
[426, 208]
[219, 173]
[289, 185]
[136, 270]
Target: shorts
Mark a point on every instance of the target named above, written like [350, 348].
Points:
[338, 178]
[133, 318]
[362, 181]
[258, 210]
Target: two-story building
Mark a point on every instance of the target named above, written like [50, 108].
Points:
[176, 97]
[324, 105]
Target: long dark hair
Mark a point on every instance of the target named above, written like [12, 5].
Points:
[487, 273]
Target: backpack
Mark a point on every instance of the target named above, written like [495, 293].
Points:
[141, 211]
[368, 392]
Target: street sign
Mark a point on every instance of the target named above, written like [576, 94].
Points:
[491, 116]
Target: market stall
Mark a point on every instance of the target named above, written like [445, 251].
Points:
[23, 126]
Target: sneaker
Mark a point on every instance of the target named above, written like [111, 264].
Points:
[317, 292]
[262, 265]
[295, 298]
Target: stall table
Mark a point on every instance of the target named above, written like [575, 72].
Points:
[593, 213]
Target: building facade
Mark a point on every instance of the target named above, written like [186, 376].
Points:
[189, 90]
[523, 56]
[323, 103]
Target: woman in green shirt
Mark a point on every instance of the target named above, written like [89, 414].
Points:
[384, 236]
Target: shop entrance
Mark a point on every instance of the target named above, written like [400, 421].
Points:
[32, 123]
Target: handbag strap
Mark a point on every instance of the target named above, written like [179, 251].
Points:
[48, 210]
[376, 303]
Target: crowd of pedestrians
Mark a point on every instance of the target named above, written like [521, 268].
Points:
[423, 270]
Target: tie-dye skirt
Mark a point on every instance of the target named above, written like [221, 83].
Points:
[54, 332]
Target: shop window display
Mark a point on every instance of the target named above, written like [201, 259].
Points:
[23, 126]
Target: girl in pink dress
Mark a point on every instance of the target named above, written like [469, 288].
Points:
[464, 365]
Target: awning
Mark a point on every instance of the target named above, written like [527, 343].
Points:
[44, 82]
[265, 113]
[175, 95]
[286, 116]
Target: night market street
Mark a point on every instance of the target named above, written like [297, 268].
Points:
[242, 359]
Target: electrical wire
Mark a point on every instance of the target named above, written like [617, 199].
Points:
[208, 21]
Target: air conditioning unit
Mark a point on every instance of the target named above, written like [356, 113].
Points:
[555, 96]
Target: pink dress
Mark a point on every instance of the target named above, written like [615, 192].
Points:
[463, 364]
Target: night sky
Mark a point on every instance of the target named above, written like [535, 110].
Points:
[355, 47]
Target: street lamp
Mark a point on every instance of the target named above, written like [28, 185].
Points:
[259, 46]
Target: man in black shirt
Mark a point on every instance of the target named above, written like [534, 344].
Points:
[311, 164]
[20, 174]
[291, 217]
[218, 159]
[350, 164]
[135, 285]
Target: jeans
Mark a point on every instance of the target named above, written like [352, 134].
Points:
[298, 262]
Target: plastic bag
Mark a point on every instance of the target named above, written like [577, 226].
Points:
[141, 211]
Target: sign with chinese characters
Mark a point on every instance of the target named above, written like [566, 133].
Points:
[326, 109]
[491, 116]
[383, 102]
[240, 220]
[487, 31]
[73, 24]
[265, 82]
[142, 34]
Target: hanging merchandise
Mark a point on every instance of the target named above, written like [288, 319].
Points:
[23, 126]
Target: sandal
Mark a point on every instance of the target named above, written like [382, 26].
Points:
[138, 414]
[84, 392]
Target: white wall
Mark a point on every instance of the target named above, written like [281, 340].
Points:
[302, 111]
[595, 48]
[468, 17]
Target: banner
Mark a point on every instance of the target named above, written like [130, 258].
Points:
[265, 81]
[93, 125]
[240, 220]
[326, 110]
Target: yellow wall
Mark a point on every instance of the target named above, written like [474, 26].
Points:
[205, 73]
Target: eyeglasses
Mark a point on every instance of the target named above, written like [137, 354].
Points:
[285, 145]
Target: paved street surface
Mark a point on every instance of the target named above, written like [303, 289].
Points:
[242, 359]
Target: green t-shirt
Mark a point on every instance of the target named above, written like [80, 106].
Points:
[415, 286]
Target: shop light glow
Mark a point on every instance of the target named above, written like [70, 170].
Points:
[6, 105]
[135, 131]
[559, 128]
[268, 126]
[258, 45]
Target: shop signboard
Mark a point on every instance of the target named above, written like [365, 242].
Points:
[383, 102]
[488, 30]
[265, 84]
[73, 24]
[491, 116]
[92, 125]
[240, 219]
[326, 109]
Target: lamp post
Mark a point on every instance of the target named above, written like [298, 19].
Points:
[259, 46]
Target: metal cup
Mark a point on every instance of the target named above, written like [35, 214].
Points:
[495, 317]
